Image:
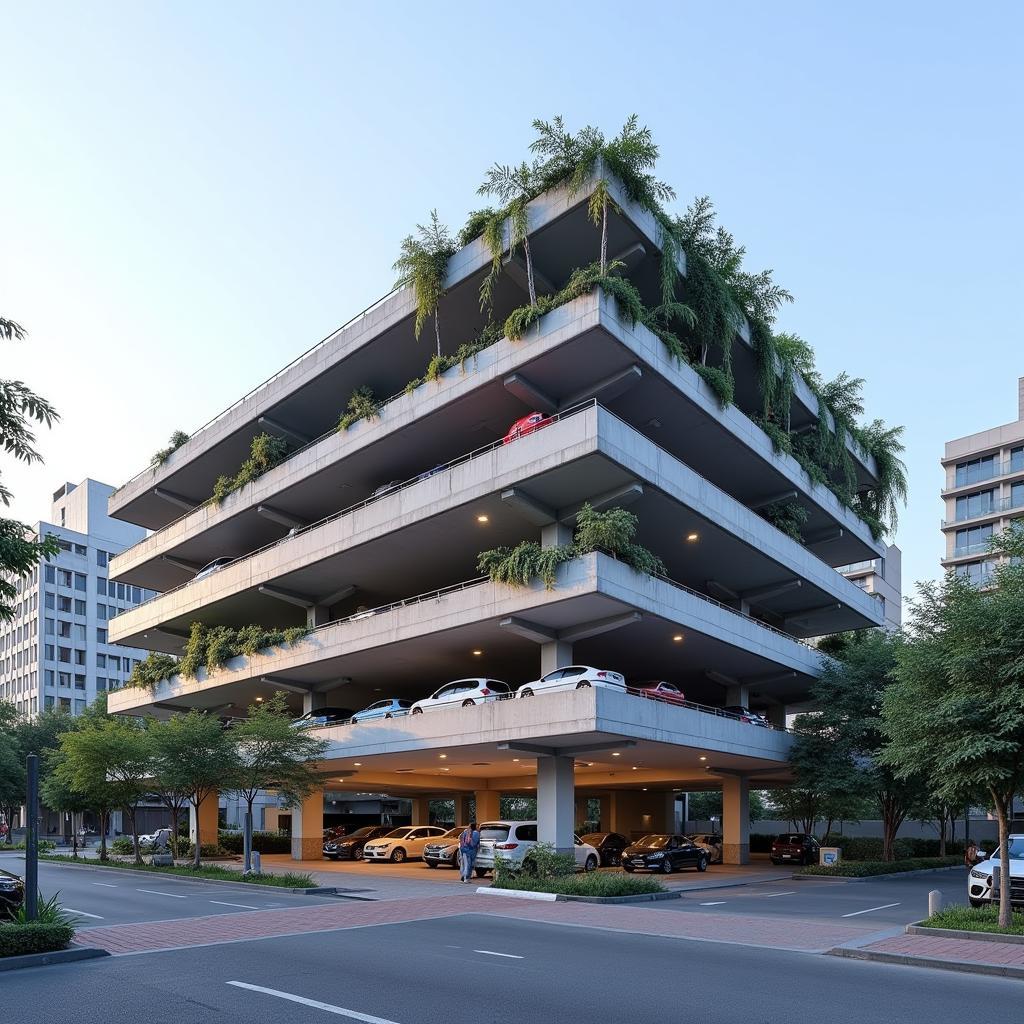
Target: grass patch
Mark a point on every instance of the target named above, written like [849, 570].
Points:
[967, 919]
[587, 884]
[289, 880]
[22, 939]
[866, 868]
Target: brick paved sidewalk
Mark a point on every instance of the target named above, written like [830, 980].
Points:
[811, 936]
[943, 951]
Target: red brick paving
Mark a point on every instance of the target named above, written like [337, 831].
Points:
[945, 948]
[220, 928]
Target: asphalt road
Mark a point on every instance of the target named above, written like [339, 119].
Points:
[472, 968]
[105, 896]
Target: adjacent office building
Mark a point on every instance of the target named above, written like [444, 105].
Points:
[56, 652]
[370, 536]
[882, 578]
[984, 492]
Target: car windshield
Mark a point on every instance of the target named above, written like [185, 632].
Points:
[453, 833]
[497, 684]
[498, 833]
[360, 832]
[1016, 849]
[794, 839]
[656, 842]
[594, 838]
[398, 833]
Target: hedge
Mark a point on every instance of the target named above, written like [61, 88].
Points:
[21, 939]
[591, 883]
[866, 868]
[969, 919]
[262, 842]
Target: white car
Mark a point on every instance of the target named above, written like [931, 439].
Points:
[513, 840]
[211, 567]
[401, 844]
[710, 843]
[979, 878]
[572, 677]
[161, 836]
[464, 693]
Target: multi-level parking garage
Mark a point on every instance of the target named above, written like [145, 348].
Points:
[386, 576]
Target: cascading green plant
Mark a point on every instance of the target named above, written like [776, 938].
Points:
[423, 263]
[176, 440]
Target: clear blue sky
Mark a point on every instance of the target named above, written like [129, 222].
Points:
[193, 193]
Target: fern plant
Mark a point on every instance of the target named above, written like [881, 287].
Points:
[362, 405]
[514, 187]
[423, 263]
[211, 647]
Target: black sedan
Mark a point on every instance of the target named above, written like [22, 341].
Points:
[351, 847]
[665, 853]
[12, 892]
[609, 846]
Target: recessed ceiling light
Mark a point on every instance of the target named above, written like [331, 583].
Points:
[615, 753]
[446, 769]
[677, 638]
[645, 789]
[483, 519]
[634, 768]
[515, 758]
[702, 757]
[442, 756]
[691, 537]
[478, 652]
[358, 764]
[259, 700]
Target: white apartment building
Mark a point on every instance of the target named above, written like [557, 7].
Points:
[984, 492]
[882, 578]
[55, 651]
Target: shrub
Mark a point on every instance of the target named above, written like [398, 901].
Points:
[474, 227]
[208, 850]
[47, 912]
[541, 864]
[152, 670]
[262, 842]
[720, 382]
[588, 884]
[866, 868]
[969, 919]
[177, 439]
[211, 647]
[124, 847]
[22, 939]
[362, 405]
[787, 516]
[265, 452]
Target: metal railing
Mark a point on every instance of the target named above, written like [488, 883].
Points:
[978, 548]
[977, 475]
[1004, 504]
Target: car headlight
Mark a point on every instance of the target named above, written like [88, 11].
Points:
[9, 884]
[981, 874]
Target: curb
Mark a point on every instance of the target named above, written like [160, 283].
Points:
[517, 894]
[876, 878]
[553, 897]
[957, 933]
[313, 891]
[907, 960]
[58, 956]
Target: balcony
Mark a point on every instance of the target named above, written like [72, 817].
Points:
[995, 508]
[978, 474]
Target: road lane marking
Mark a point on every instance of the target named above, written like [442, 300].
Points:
[156, 892]
[366, 1018]
[871, 910]
[82, 913]
[244, 906]
[769, 895]
[718, 903]
[490, 952]
[106, 885]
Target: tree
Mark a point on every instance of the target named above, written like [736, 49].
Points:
[514, 187]
[193, 754]
[707, 804]
[956, 710]
[270, 754]
[423, 263]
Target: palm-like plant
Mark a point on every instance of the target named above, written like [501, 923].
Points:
[423, 263]
[514, 187]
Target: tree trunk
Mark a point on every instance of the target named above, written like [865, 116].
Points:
[942, 833]
[130, 812]
[892, 817]
[104, 821]
[529, 270]
[437, 332]
[196, 856]
[604, 237]
[247, 837]
[828, 828]
[1002, 816]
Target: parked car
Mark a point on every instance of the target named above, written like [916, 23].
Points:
[351, 847]
[322, 716]
[513, 841]
[161, 837]
[711, 843]
[333, 832]
[444, 849]
[572, 677]
[391, 485]
[657, 689]
[527, 425]
[794, 848]
[211, 567]
[390, 708]
[464, 692]
[609, 846]
[665, 853]
[979, 878]
[12, 892]
[746, 715]
[401, 844]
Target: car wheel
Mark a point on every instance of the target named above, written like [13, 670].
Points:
[666, 867]
[591, 864]
[357, 853]
[702, 863]
[526, 693]
[389, 715]
[430, 863]
[583, 686]
[777, 863]
[397, 855]
[481, 872]
[628, 868]
[468, 703]
[417, 711]
[975, 903]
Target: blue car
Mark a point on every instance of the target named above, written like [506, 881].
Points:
[390, 708]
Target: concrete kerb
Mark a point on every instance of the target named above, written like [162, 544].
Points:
[331, 890]
[874, 878]
[58, 956]
[552, 897]
[909, 960]
[917, 928]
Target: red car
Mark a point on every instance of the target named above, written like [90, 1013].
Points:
[527, 425]
[656, 689]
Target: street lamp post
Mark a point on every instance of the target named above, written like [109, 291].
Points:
[32, 839]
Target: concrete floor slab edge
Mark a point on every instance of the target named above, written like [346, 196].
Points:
[909, 960]
[58, 956]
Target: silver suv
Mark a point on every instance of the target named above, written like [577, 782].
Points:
[513, 840]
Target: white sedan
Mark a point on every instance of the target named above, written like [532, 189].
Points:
[573, 677]
[464, 693]
[401, 844]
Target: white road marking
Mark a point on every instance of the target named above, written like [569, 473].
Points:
[244, 906]
[156, 892]
[82, 913]
[870, 910]
[106, 885]
[366, 1018]
[490, 952]
[769, 895]
[718, 903]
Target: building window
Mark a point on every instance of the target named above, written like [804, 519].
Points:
[64, 678]
[101, 585]
[64, 545]
[1017, 495]
[80, 657]
[63, 628]
[978, 504]
[101, 558]
[101, 635]
[80, 632]
[973, 540]
[114, 662]
[120, 591]
[48, 703]
[64, 604]
[977, 572]
[48, 601]
[80, 606]
[101, 660]
[48, 652]
[65, 577]
[81, 549]
[101, 684]
[1017, 459]
[49, 574]
[79, 682]
[976, 470]
[48, 627]
[80, 582]
[101, 612]
[48, 677]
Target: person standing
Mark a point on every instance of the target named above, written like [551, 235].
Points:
[469, 843]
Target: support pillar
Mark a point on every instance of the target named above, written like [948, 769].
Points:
[421, 810]
[308, 827]
[317, 615]
[554, 654]
[555, 535]
[776, 715]
[313, 701]
[555, 803]
[737, 696]
[488, 805]
[270, 815]
[462, 809]
[735, 820]
[208, 812]
[605, 824]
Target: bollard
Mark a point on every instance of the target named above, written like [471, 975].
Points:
[934, 902]
[257, 866]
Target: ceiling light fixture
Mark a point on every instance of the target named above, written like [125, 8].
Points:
[478, 652]
[677, 638]
[635, 768]
[358, 764]
[515, 758]
[259, 700]
[615, 753]
[483, 519]
[702, 757]
[691, 537]
[442, 756]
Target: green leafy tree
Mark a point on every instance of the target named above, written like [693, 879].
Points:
[423, 263]
[956, 710]
[514, 186]
[270, 754]
[707, 804]
[194, 755]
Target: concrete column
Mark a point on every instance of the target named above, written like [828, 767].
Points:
[317, 615]
[488, 805]
[554, 654]
[554, 535]
[308, 827]
[606, 812]
[462, 809]
[737, 696]
[555, 804]
[421, 810]
[207, 820]
[312, 701]
[735, 820]
[634, 812]
[776, 715]
[270, 814]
